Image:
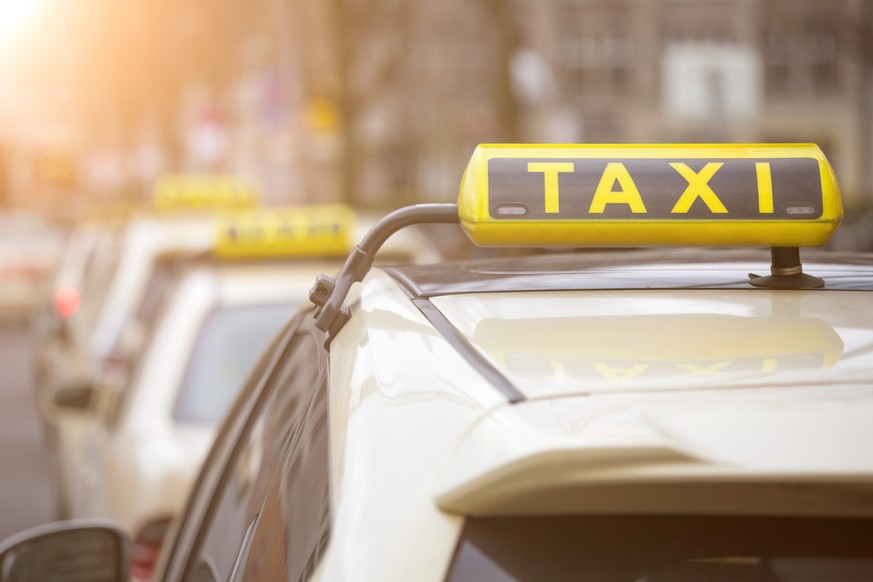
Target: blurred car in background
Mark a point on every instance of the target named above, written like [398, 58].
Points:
[99, 341]
[110, 283]
[131, 452]
[72, 303]
[107, 275]
[29, 251]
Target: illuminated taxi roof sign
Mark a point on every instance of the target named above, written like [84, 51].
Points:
[296, 232]
[782, 195]
[183, 192]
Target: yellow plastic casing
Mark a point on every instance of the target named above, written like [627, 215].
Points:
[191, 192]
[289, 232]
[778, 195]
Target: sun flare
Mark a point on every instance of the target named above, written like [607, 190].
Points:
[13, 13]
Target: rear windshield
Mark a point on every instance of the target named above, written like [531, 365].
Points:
[665, 549]
[228, 346]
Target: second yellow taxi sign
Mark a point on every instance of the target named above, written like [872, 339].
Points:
[782, 195]
[325, 230]
[186, 192]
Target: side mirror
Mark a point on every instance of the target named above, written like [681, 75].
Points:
[83, 398]
[75, 397]
[86, 549]
[61, 330]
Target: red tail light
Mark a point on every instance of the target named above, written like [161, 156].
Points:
[67, 300]
[146, 548]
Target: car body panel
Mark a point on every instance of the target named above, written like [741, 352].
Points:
[402, 452]
[61, 357]
[421, 437]
[379, 406]
[144, 241]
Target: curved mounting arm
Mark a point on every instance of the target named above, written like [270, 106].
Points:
[329, 295]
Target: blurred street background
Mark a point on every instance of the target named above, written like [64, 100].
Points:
[379, 104]
[26, 492]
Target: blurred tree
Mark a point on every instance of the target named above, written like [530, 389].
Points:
[371, 51]
[508, 41]
[381, 54]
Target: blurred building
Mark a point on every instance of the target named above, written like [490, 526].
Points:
[712, 70]
[419, 84]
[380, 102]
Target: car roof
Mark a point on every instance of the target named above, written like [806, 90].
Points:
[552, 343]
[240, 282]
[626, 269]
[143, 240]
[422, 420]
[471, 388]
[564, 324]
[202, 290]
[545, 327]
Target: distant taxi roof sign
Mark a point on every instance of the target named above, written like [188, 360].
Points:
[779, 195]
[297, 232]
[185, 192]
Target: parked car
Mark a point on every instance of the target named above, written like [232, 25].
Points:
[679, 414]
[29, 251]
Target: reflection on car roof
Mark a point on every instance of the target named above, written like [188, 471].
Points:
[629, 269]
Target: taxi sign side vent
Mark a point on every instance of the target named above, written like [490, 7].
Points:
[329, 295]
[786, 272]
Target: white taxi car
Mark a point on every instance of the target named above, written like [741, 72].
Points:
[117, 281]
[107, 272]
[75, 298]
[657, 415]
[139, 448]
[109, 286]
[101, 341]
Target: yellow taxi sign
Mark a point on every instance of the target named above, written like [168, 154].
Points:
[779, 195]
[175, 192]
[115, 212]
[302, 231]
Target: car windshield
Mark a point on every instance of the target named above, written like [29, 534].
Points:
[228, 345]
[664, 549]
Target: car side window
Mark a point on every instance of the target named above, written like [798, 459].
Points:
[256, 468]
[294, 526]
[248, 404]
